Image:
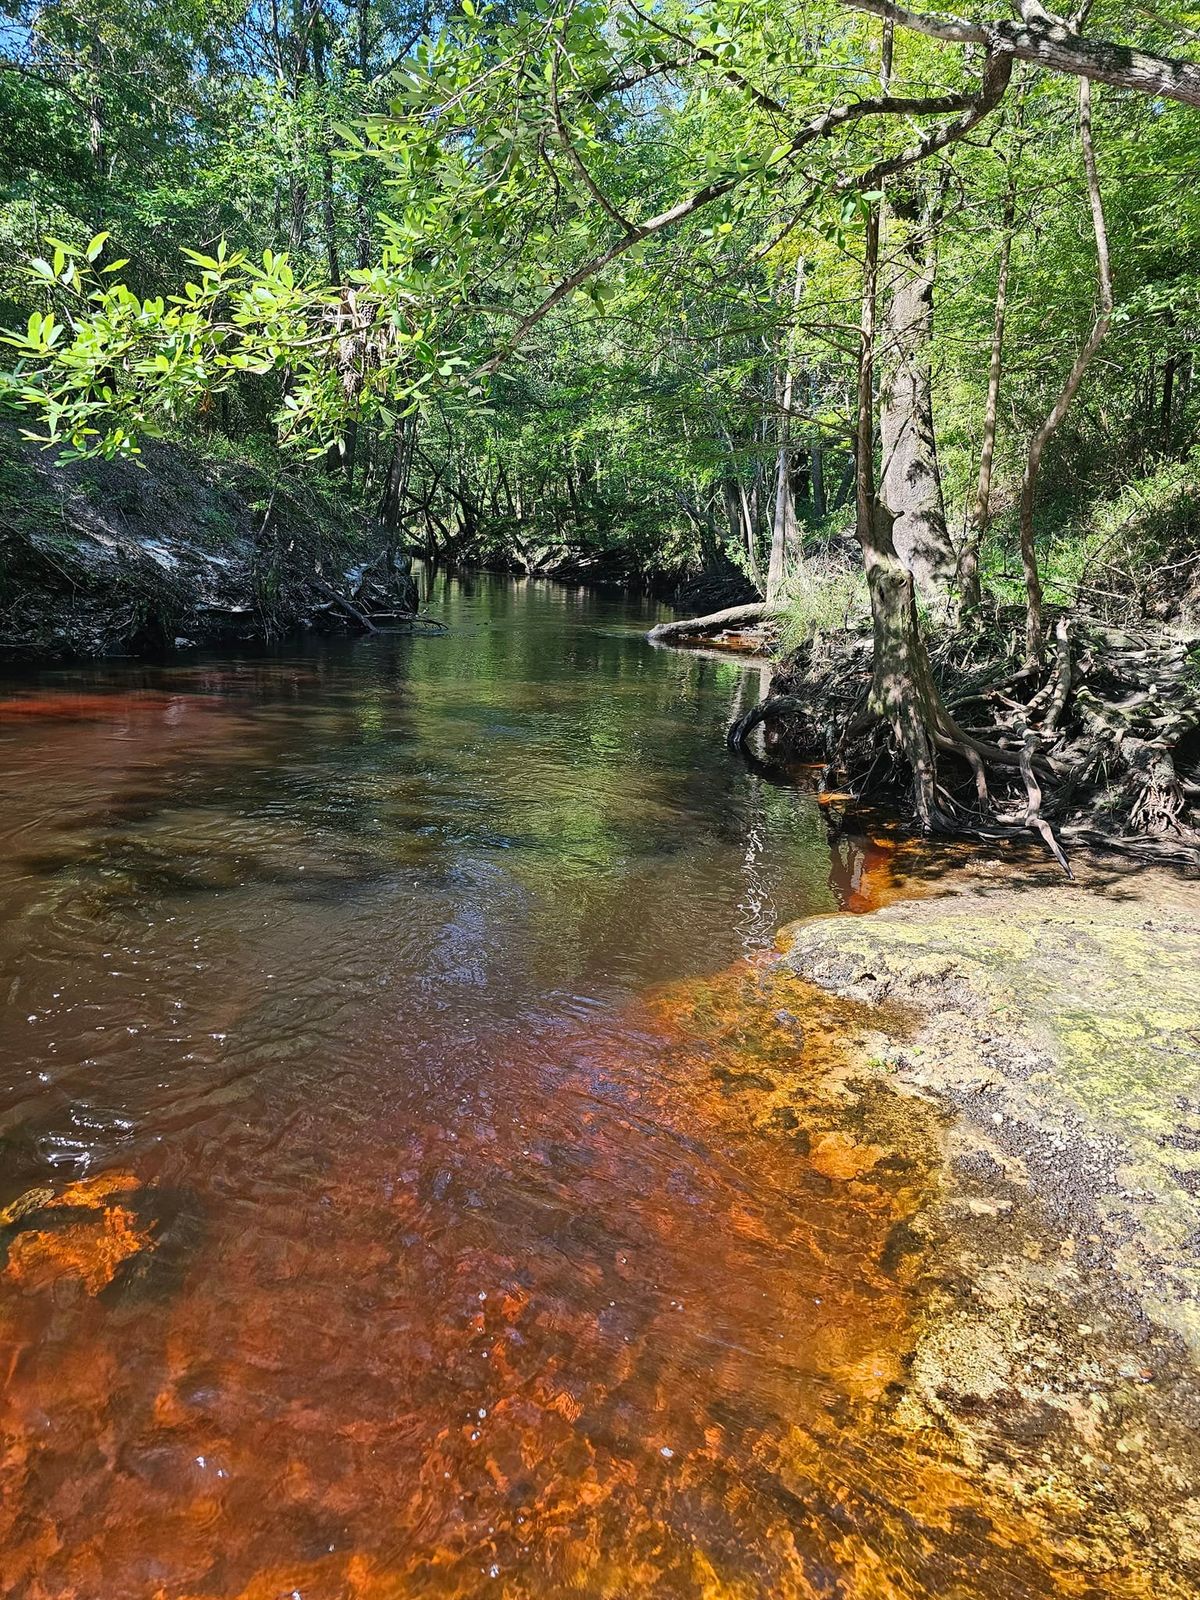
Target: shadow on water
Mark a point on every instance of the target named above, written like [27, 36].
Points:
[414, 1181]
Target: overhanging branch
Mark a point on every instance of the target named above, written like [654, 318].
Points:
[996, 75]
[1048, 41]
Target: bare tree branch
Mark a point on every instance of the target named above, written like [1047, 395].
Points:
[1048, 41]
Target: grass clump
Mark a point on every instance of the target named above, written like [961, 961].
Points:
[827, 596]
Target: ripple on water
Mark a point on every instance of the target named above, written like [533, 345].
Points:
[638, 1334]
[457, 1241]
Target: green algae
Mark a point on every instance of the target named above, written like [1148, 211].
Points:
[1071, 1019]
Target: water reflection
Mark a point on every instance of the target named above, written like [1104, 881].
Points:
[390, 1210]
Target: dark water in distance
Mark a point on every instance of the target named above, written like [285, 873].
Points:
[400, 1200]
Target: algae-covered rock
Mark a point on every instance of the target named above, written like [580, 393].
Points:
[1057, 1033]
[1067, 1023]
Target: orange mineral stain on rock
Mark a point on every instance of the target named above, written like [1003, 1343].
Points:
[838, 1155]
[93, 1192]
[90, 1251]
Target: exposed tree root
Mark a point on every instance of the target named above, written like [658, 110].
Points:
[1101, 748]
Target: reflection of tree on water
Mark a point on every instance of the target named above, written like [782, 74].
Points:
[858, 858]
[857, 861]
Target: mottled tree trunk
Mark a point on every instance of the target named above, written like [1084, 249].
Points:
[911, 482]
[900, 673]
[95, 112]
[903, 692]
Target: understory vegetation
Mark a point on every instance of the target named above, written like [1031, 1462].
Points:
[881, 321]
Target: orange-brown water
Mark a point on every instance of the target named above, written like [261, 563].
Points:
[414, 1181]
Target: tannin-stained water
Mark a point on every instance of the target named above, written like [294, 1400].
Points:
[414, 1181]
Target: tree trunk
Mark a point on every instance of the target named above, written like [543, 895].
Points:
[298, 181]
[715, 622]
[1037, 445]
[95, 112]
[816, 462]
[1166, 415]
[912, 483]
[981, 513]
[899, 668]
[784, 538]
[395, 486]
[845, 485]
[750, 534]
[328, 210]
[902, 689]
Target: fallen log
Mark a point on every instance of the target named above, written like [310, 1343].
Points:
[716, 622]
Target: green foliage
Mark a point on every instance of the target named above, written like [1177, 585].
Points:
[430, 243]
[831, 598]
[1121, 554]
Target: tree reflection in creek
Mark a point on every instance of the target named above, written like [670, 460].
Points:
[389, 1210]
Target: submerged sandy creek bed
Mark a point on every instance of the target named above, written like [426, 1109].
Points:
[421, 1175]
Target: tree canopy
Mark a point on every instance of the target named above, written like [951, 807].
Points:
[587, 276]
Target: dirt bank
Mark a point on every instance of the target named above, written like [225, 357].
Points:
[185, 544]
[1057, 1033]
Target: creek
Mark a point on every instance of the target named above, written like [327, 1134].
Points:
[417, 1181]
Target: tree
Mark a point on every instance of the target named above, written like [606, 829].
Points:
[591, 211]
[911, 485]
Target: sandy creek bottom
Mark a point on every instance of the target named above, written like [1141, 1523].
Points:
[418, 1179]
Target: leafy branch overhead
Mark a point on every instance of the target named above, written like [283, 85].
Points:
[493, 219]
[856, 313]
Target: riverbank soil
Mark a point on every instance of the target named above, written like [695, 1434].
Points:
[1110, 730]
[182, 546]
[1055, 1033]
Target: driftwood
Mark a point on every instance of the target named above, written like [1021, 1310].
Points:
[717, 622]
[348, 606]
[366, 600]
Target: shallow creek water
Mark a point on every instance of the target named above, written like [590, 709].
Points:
[416, 1181]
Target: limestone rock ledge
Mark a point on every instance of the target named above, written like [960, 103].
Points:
[1057, 1032]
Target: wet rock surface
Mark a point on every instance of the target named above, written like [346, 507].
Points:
[1057, 1031]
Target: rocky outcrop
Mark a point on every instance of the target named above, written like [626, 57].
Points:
[1057, 1034]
